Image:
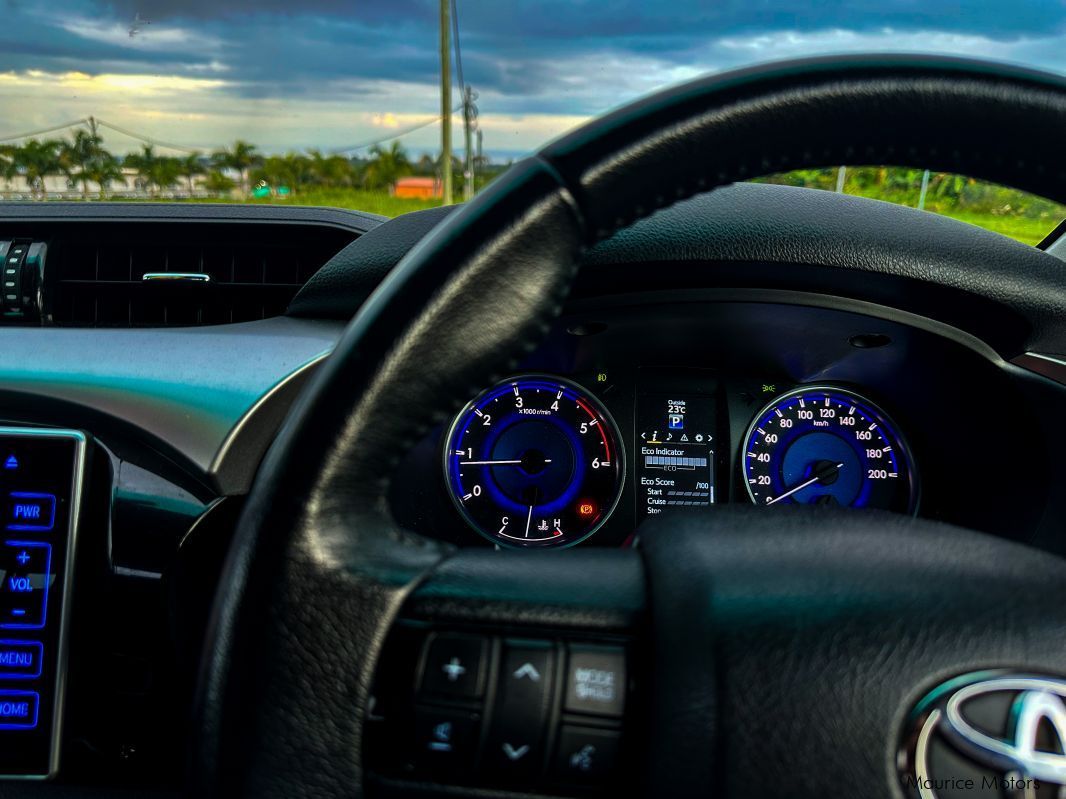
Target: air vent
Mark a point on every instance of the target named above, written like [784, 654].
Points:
[98, 281]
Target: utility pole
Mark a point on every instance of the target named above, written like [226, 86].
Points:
[468, 166]
[480, 160]
[92, 127]
[923, 190]
[446, 101]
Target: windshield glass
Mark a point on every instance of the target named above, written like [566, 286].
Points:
[352, 104]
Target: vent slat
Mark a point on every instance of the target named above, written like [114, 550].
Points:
[99, 283]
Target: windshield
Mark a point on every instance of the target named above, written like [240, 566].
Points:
[354, 104]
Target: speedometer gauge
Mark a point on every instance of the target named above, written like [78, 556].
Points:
[534, 462]
[822, 445]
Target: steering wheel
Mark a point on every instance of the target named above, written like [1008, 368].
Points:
[782, 651]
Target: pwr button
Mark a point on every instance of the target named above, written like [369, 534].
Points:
[31, 511]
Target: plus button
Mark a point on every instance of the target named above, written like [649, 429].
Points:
[454, 669]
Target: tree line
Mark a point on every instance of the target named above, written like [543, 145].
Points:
[946, 192]
[85, 162]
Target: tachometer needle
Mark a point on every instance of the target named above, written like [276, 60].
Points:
[496, 463]
[822, 474]
[529, 518]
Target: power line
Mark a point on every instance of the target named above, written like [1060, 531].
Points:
[149, 139]
[391, 136]
[74, 124]
[193, 150]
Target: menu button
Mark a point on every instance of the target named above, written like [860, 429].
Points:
[20, 659]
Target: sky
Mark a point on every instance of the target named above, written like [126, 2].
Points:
[295, 74]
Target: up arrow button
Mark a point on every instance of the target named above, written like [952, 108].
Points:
[527, 670]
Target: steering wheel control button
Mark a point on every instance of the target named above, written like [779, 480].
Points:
[596, 680]
[515, 746]
[30, 511]
[454, 666]
[585, 755]
[20, 659]
[445, 740]
[19, 709]
[26, 571]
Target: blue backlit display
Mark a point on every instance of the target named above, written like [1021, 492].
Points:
[823, 445]
[534, 461]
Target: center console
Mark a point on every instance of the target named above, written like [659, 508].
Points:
[41, 475]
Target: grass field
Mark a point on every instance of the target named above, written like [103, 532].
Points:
[1027, 229]
[1023, 228]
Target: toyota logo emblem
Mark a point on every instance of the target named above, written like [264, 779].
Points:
[992, 731]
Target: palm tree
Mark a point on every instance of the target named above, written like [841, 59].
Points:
[241, 157]
[191, 166]
[103, 171]
[79, 156]
[300, 170]
[36, 160]
[216, 182]
[144, 162]
[386, 165]
[165, 172]
[8, 168]
[332, 171]
[157, 172]
[426, 165]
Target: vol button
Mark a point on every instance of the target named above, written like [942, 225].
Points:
[453, 667]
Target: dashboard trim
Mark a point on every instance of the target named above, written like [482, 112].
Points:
[249, 439]
[1045, 365]
[788, 297]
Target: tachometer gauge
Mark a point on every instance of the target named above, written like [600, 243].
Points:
[821, 445]
[534, 462]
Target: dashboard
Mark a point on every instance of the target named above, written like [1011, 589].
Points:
[758, 346]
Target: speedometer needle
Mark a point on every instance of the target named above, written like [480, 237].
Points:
[822, 474]
[496, 463]
[529, 518]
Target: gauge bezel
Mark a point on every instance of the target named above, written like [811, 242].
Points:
[597, 406]
[912, 464]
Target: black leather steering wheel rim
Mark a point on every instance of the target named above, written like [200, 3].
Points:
[318, 571]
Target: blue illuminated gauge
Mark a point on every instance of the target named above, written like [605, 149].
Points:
[534, 462]
[821, 445]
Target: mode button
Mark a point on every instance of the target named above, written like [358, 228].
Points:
[596, 680]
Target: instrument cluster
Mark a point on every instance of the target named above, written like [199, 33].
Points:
[632, 411]
[539, 460]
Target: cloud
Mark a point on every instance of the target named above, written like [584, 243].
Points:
[330, 72]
